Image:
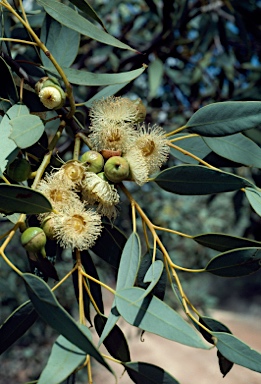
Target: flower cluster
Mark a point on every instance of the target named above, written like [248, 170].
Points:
[117, 125]
[81, 192]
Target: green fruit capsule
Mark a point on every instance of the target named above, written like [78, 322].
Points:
[19, 170]
[93, 161]
[117, 169]
[33, 239]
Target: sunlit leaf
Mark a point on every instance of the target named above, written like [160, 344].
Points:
[17, 198]
[254, 197]
[65, 357]
[238, 262]
[198, 180]
[225, 118]
[47, 306]
[129, 264]
[115, 342]
[26, 130]
[155, 316]
[237, 148]
[61, 41]
[237, 352]
[87, 9]
[71, 19]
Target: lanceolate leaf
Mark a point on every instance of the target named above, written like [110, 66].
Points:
[254, 197]
[85, 7]
[222, 242]
[237, 148]
[237, 352]
[115, 342]
[71, 19]
[226, 118]
[194, 145]
[238, 262]
[212, 325]
[129, 264]
[76, 76]
[16, 325]
[153, 315]
[14, 198]
[198, 180]
[65, 357]
[61, 41]
[47, 306]
[145, 373]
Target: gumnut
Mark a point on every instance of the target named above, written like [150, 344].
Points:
[50, 92]
[48, 227]
[116, 169]
[93, 161]
[33, 239]
[19, 170]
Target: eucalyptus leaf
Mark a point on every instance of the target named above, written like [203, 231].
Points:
[26, 130]
[155, 74]
[17, 198]
[198, 180]
[87, 10]
[65, 357]
[71, 19]
[254, 197]
[130, 261]
[115, 342]
[16, 325]
[225, 118]
[237, 262]
[80, 77]
[47, 306]
[222, 242]
[237, 352]
[145, 373]
[153, 315]
[237, 148]
[62, 42]
[192, 144]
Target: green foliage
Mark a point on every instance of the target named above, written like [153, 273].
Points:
[209, 145]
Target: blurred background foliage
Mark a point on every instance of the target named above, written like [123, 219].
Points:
[198, 52]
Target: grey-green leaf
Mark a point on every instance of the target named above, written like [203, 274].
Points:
[237, 352]
[225, 118]
[130, 261]
[155, 316]
[65, 357]
[62, 42]
[254, 197]
[237, 148]
[17, 198]
[198, 180]
[238, 262]
[90, 79]
[47, 306]
[71, 19]
[26, 130]
[194, 145]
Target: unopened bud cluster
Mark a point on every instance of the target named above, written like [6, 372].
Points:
[81, 192]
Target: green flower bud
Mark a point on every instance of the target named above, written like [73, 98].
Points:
[33, 239]
[48, 228]
[93, 161]
[50, 92]
[19, 170]
[116, 169]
